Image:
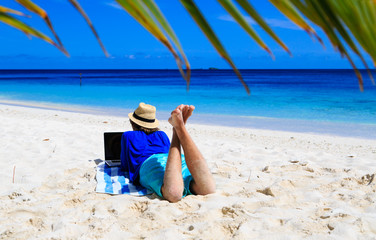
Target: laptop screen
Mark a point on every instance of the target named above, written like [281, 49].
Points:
[112, 145]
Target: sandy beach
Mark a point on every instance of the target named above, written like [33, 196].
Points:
[270, 184]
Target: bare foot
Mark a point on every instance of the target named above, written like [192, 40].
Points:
[176, 118]
[181, 107]
[187, 112]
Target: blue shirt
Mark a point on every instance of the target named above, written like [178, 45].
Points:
[137, 146]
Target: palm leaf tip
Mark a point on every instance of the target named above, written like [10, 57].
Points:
[287, 50]
[148, 15]
[9, 10]
[245, 85]
[156, 14]
[78, 7]
[29, 31]
[202, 23]
[270, 52]
[188, 77]
[251, 11]
[32, 7]
[230, 7]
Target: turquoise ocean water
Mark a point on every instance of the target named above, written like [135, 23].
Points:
[320, 101]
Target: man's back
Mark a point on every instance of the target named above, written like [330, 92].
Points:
[137, 146]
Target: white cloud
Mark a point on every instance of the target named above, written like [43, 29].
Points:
[228, 18]
[282, 24]
[130, 56]
[273, 22]
[114, 5]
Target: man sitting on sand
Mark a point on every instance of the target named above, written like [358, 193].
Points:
[157, 164]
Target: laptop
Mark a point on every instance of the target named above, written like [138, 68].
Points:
[112, 148]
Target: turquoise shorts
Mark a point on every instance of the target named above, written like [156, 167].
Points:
[152, 173]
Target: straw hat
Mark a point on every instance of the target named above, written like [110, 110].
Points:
[144, 116]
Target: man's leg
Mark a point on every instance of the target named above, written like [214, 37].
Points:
[173, 186]
[203, 182]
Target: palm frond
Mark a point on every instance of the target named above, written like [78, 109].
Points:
[142, 15]
[200, 20]
[348, 24]
[235, 13]
[171, 34]
[77, 6]
[15, 23]
[363, 12]
[254, 14]
[8, 10]
[342, 21]
[32, 7]
[291, 11]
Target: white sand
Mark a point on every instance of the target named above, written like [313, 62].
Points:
[270, 185]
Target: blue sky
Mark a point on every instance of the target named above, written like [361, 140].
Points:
[132, 47]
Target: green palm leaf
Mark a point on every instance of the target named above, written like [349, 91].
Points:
[290, 11]
[254, 14]
[320, 17]
[15, 23]
[83, 13]
[171, 34]
[235, 13]
[338, 19]
[8, 10]
[32, 7]
[141, 14]
[330, 23]
[195, 13]
[363, 12]
[349, 24]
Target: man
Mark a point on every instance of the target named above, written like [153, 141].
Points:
[156, 163]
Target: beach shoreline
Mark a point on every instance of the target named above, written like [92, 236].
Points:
[329, 128]
[270, 184]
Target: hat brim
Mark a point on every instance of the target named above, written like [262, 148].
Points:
[154, 124]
